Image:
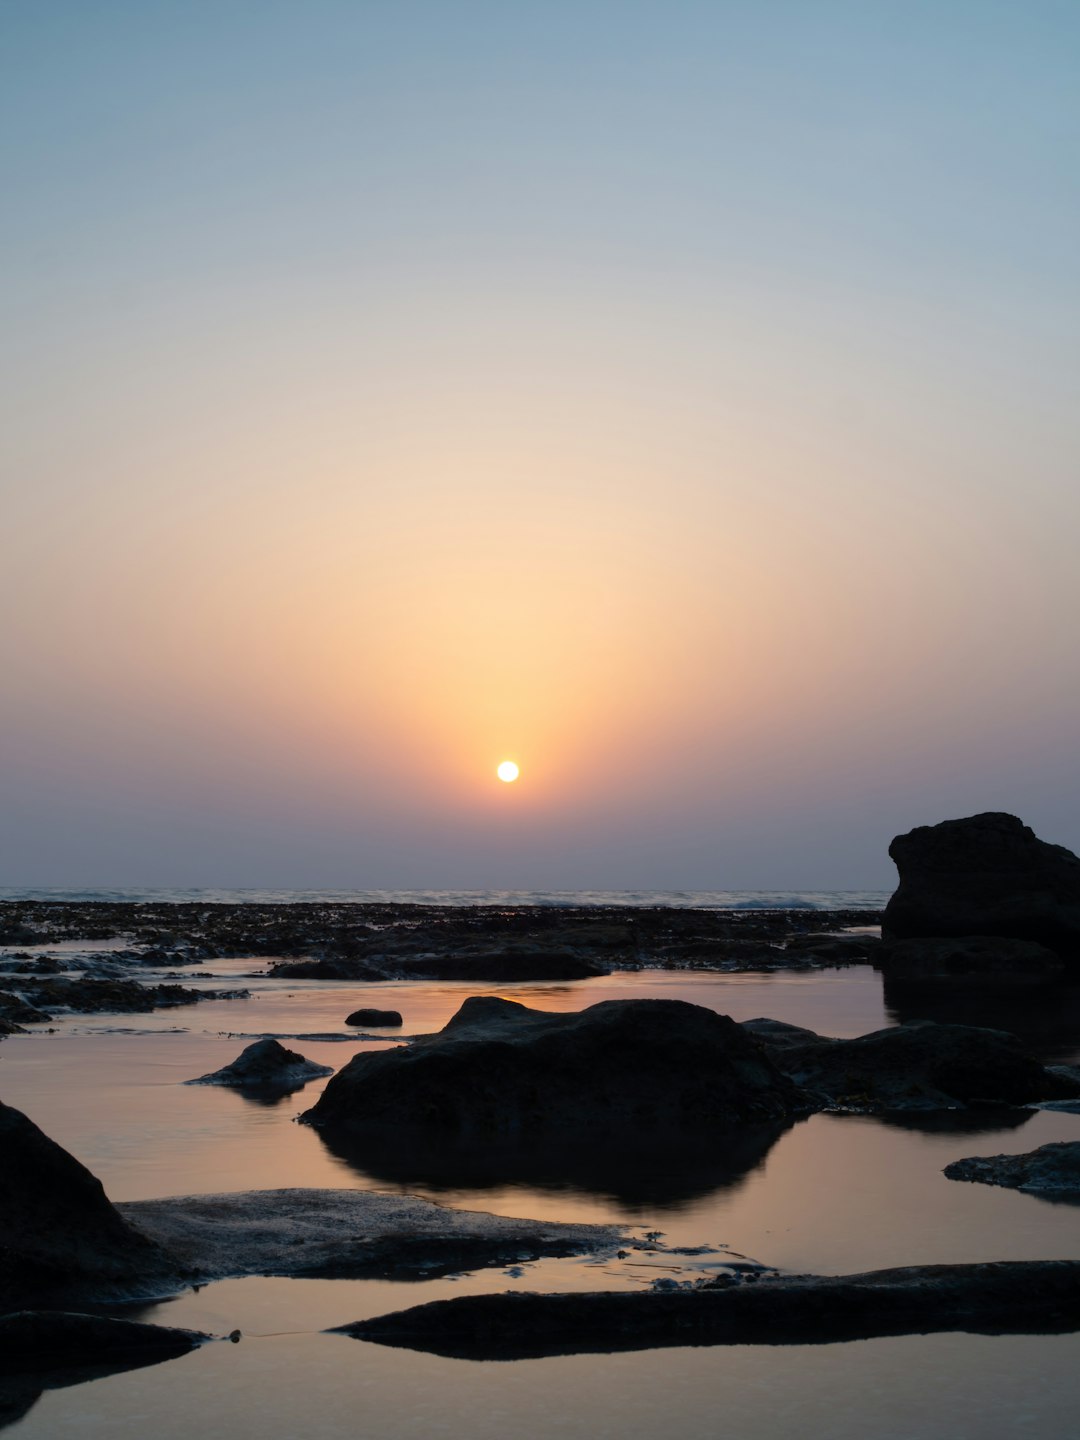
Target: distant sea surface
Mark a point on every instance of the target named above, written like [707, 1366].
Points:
[680, 899]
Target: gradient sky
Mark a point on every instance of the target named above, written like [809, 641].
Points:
[677, 398]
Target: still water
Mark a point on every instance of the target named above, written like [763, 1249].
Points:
[828, 1194]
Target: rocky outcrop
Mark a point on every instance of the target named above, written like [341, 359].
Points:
[984, 960]
[59, 1234]
[984, 875]
[615, 1069]
[916, 1066]
[1052, 1171]
[40, 1340]
[374, 1017]
[266, 1065]
[117, 997]
[1010, 1297]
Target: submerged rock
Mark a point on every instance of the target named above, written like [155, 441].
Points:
[987, 874]
[266, 1065]
[915, 1066]
[59, 1234]
[1012, 1297]
[374, 1017]
[610, 1071]
[1052, 1171]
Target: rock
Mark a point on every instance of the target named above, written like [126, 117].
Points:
[984, 875]
[916, 1066]
[339, 968]
[507, 967]
[59, 1235]
[374, 1017]
[266, 1065]
[1010, 1297]
[118, 997]
[970, 960]
[347, 1233]
[615, 1069]
[39, 1340]
[15, 1010]
[1052, 1171]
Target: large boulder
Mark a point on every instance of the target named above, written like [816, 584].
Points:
[965, 960]
[984, 875]
[919, 1066]
[59, 1234]
[613, 1070]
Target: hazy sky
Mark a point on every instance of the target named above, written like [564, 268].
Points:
[677, 398]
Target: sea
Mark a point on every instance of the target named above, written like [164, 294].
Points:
[828, 1194]
[568, 899]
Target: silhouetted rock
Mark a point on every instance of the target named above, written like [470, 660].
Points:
[916, 1066]
[970, 960]
[117, 997]
[984, 875]
[266, 1065]
[373, 1017]
[59, 1235]
[1011, 1297]
[614, 1069]
[39, 1340]
[1052, 1171]
[341, 967]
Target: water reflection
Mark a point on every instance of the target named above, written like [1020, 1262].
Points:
[1045, 1017]
[992, 1120]
[657, 1172]
[20, 1393]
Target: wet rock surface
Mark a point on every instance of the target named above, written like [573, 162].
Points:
[1018, 1297]
[59, 1234]
[620, 1067]
[987, 874]
[920, 1065]
[345, 1233]
[1052, 1171]
[114, 997]
[266, 1065]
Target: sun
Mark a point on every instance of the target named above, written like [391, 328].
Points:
[508, 771]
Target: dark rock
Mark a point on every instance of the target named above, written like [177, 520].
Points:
[38, 1340]
[374, 1017]
[347, 1233]
[59, 1235]
[970, 959]
[498, 1068]
[915, 1066]
[339, 968]
[984, 875]
[1051, 1172]
[503, 967]
[267, 1065]
[14, 1009]
[118, 997]
[1010, 1297]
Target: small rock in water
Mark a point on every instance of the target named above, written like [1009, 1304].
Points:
[266, 1064]
[373, 1017]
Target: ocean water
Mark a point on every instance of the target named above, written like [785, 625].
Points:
[680, 899]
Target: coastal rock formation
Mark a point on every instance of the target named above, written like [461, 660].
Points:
[984, 875]
[39, 1340]
[1013, 1297]
[615, 1069]
[374, 1017]
[116, 997]
[916, 1066]
[266, 1065]
[1052, 1171]
[59, 1234]
[969, 960]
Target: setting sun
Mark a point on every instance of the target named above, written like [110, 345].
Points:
[508, 771]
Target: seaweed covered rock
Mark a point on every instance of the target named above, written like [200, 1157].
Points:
[499, 1068]
[921, 1066]
[986, 874]
[266, 1065]
[59, 1233]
